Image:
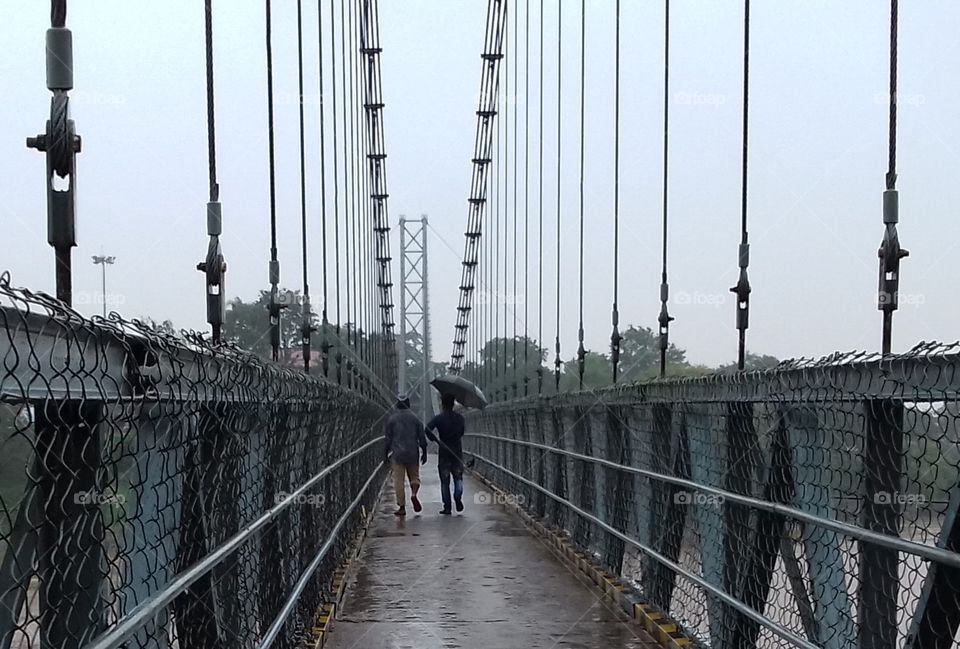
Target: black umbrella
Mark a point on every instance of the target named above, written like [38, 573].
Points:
[462, 390]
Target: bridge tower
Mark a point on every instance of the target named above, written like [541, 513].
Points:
[414, 344]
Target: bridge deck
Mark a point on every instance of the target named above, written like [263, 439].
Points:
[478, 579]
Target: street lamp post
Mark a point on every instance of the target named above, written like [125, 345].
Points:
[102, 261]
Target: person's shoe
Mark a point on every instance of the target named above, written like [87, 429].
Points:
[417, 507]
[402, 511]
[445, 512]
[459, 504]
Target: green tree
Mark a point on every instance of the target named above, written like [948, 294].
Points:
[597, 373]
[248, 323]
[640, 355]
[752, 362]
[496, 373]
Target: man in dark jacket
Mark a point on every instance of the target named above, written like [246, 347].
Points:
[450, 427]
[404, 436]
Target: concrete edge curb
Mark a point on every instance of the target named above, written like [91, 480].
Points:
[660, 626]
[327, 612]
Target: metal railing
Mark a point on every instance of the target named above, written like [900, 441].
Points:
[812, 505]
[157, 491]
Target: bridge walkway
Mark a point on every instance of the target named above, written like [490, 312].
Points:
[478, 579]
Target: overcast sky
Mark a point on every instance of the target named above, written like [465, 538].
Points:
[817, 159]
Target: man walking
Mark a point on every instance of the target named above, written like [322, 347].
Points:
[404, 435]
[450, 427]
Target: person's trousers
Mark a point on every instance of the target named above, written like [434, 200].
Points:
[448, 469]
[401, 472]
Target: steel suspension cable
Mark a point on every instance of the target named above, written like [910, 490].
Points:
[556, 361]
[742, 289]
[615, 314]
[354, 181]
[306, 324]
[664, 318]
[336, 188]
[274, 306]
[347, 194]
[890, 252]
[213, 265]
[58, 13]
[513, 300]
[496, 249]
[540, 341]
[324, 317]
[581, 352]
[502, 301]
[526, 203]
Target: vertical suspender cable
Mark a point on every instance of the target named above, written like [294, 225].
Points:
[336, 189]
[513, 300]
[665, 319]
[526, 204]
[540, 209]
[346, 185]
[502, 297]
[557, 363]
[213, 265]
[498, 344]
[306, 324]
[615, 315]
[353, 193]
[742, 289]
[274, 306]
[60, 143]
[890, 252]
[324, 318]
[581, 352]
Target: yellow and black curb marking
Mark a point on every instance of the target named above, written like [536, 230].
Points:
[664, 630]
[338, 585]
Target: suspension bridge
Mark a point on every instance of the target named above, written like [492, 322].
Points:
[177, 490]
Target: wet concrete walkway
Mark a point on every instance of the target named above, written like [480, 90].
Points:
[476, 580]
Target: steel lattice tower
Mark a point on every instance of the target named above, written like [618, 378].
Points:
[414, 343]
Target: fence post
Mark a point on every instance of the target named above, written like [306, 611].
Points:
[70, 548]
[882, 473]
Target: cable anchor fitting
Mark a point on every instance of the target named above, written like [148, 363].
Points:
[890, 254]
[60, 141]
[742, 289]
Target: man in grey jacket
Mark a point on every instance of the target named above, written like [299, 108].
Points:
[404, 436]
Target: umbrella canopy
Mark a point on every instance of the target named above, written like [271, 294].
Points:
[462, 390]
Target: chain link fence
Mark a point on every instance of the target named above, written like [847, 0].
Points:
[159, 492]
[811, 505]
